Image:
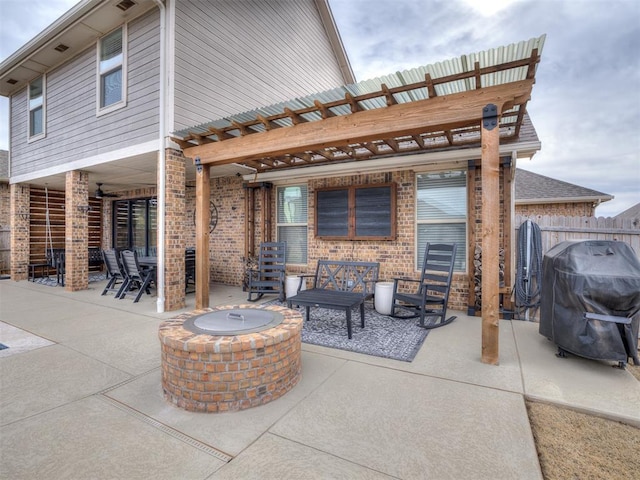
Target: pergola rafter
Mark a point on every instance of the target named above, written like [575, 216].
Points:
[433, 115]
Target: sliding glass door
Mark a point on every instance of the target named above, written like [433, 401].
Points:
[134, 225]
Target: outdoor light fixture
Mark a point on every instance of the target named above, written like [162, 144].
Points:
[198, 165]
[84, 208]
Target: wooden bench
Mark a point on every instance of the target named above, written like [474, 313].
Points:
[338, 285]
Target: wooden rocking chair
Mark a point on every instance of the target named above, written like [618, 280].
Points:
[268, 276]
[430, 294]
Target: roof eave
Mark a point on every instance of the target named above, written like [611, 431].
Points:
[542, 201]
[29, 61]
[336, 41]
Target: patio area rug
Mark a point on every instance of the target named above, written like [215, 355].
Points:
[383, 336]
[51, 281]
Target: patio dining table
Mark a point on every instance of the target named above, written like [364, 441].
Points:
[148, 261]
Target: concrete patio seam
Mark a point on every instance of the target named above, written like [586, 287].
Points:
[197, 444]
[125, 382]
[332, 455]
[520, 366]
[420, 374]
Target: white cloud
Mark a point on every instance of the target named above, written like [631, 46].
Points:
[586, 101]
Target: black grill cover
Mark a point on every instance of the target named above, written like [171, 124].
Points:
[601, 277]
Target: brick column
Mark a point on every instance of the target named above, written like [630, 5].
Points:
[20, 222]
[76, 231]
[175, 223]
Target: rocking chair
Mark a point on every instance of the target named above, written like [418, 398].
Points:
[268, 276]
[429, 296]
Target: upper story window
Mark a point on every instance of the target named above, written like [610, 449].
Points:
[36, 107]
[111, 70]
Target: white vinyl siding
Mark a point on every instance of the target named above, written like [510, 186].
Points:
[232, 57]
[292, 218]
[73, 130]
[37, 118]
[112, 78]
[441, 213]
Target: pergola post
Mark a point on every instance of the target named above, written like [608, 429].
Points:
[203, 193]
[490, 181]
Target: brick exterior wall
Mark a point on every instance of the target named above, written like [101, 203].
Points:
[19, 209]
[226, 241]
[5, 228]
[5, 202]
[76, 231]
[397, 258]
[176, 226]
[578, 209]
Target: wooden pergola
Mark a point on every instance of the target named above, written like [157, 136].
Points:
[416, 117]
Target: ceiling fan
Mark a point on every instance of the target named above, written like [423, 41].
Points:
[100, 194]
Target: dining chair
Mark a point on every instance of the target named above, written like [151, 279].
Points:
[115, 272]
[135, 276]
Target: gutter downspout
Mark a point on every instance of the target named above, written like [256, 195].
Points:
[161, 156]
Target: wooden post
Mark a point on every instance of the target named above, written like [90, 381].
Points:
[203, 193]
[490, 181]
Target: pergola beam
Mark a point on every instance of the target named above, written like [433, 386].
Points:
[433, 114]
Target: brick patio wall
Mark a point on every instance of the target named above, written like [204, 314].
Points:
[19, 209]
[176, 226]
[76, 231]
[5, 204]
[5, 228]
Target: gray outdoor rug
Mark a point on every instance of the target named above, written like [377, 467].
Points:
[382, 336]
[51, 281]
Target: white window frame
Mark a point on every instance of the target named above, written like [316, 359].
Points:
[462, 252]
[99, 74]
[304, 224]
[43, 105]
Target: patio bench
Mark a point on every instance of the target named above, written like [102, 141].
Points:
[338, 285]
[43, 267]
[95, 258]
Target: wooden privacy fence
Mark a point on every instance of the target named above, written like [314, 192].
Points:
[558, 229]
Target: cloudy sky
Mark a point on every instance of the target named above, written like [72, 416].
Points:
[586, 101]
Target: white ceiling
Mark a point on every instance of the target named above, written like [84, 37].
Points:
[131, 173]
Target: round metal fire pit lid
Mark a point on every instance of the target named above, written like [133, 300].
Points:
[236, 321]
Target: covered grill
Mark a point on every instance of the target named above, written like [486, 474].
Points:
[590, 299]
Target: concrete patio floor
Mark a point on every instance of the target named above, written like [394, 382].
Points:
[80, 397]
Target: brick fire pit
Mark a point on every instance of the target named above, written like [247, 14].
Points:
[210, 370]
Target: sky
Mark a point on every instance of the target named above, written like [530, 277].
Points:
[585, 104]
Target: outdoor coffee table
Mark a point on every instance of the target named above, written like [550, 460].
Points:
[333, 299]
